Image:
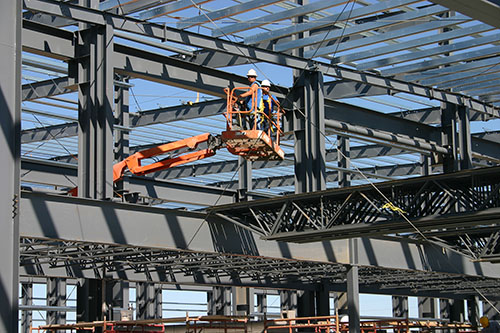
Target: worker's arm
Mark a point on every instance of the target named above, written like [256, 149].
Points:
[253, 88]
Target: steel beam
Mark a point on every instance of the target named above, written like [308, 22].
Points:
[10, 126]
[435, 76]
[415, 55]
[297, 28]
[359, 28]
[482, 10]
[183, 37]
[47, 41]
[382, 172]
[446, 60]
[435, 38]
[275, 17]
[145, 118]
[384, 37]
[65, 175]
[168, 8]
[46, 88]
[114, 223]
[225, 12]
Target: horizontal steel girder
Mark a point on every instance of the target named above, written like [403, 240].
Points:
[462, 199]
[197, 271]
[484, 11]
[55, 217]
[188, 38]
[64, 175]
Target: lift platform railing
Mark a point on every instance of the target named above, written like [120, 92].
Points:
[256, 119]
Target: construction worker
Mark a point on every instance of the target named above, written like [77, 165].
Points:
[489, 326]
[254, 93]
[266, 106]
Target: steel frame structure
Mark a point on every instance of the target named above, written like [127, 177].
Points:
[90, 55]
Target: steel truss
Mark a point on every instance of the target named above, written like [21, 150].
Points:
[40, 256]
[443, 206]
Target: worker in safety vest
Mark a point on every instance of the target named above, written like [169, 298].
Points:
[489, 326]
[247, 97]
[266, 106]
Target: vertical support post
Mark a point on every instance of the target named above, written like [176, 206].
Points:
[94, 76]
[56, 296]
[222, 301]
[117, 298]
[426, 307]
[464, 138]
[353, 299]
[341, 303]
[242, 301]
[444, 308]
[473, 310]
[122, 150]
[26, 299]
[288, 300]
[449, 136]
[262, 304]
[344, 160]
[310, 173]
[89, 301]
[244, 178]
[148, 300]
[457, 310]
[400, 306]
[426, 168]
[10, 127]
[322, 296]
[305, 303]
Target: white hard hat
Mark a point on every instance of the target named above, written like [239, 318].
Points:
[252, 72]
[266, 83]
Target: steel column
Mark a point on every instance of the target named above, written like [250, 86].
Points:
[262, 304]
[56, 296]
[244, 179]
[426, 307]
[464, 138]
[89, 300]
[449, 136]
[322, 301]
[117, 298]
[353, 299]
[473, 310]
[222, 301]
[121, 139]
[457, 310]
[400, 306]
[243, 303]
[310, 174]
[288, 300]
[305, 303]
[10, 126]
[26, 299]
[94, 76]
[344, 160]
[148, 300]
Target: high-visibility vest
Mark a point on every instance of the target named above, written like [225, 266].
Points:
[267, 104]
[248, 99]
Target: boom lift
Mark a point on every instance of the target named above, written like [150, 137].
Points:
[249, 133]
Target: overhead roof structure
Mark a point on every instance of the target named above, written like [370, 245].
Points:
[413, 84]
